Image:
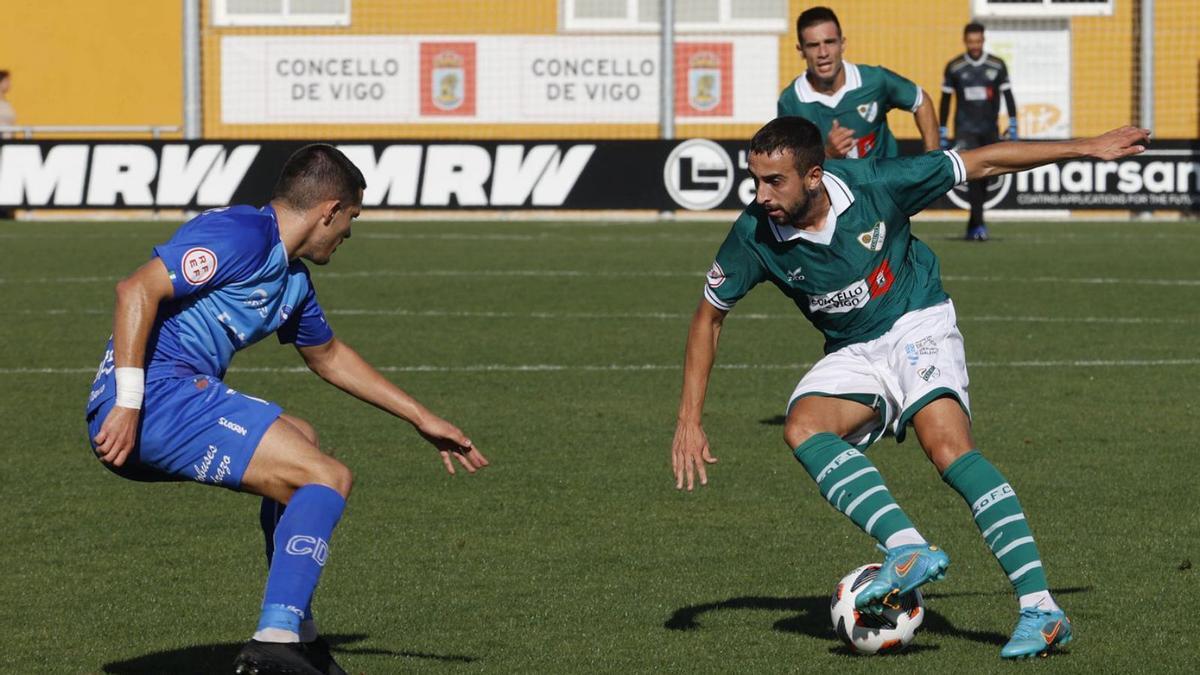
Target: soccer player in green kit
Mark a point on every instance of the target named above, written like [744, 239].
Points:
[849, 102]
[834, 236]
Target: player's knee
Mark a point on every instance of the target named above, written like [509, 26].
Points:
[944, 454]
[332, 473]
[799, 429]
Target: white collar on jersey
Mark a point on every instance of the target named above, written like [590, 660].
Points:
[983, 56]
[840, 199]
[806, 93]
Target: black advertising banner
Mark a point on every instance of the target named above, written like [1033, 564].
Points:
[693, 174]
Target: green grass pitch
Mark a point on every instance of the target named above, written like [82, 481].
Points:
[558, 348]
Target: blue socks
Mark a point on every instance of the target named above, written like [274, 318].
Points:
[297, 547]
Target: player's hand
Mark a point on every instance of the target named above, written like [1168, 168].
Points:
[1118, 143]
[840, 141]
[689, 455]
[1012, 129]
[452, 443]
[944, 138]
[117, 435]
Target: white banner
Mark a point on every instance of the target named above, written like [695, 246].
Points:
[492, 79]
[1039, 67]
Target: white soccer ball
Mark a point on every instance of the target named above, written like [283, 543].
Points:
[868, 633]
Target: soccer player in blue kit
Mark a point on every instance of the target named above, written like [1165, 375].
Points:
[159, 410]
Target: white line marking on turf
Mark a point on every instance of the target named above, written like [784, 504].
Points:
[583, 274]
[646, 367]
[666, 316]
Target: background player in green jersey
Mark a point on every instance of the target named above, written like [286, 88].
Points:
[835, 238]
[849, 102]
[976, 79]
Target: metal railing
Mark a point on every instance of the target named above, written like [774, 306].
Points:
[27, 132]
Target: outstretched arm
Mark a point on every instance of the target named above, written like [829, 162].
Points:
[338, 364]
[927, 123]
[1002, 158]
[689, 450]
[138, 297]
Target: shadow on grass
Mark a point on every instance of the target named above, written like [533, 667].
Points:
[218, 658]
[811, 618]
[776, 421]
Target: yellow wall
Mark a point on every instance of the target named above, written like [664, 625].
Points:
[1177, 68]
[109, 62]
[87, 62]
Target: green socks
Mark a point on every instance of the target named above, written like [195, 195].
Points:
[999, 517]
[849, 482]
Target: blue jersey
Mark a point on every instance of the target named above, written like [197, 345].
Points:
[233, 287]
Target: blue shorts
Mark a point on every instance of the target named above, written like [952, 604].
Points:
[192, 428]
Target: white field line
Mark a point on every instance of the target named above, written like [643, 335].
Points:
[653, 316]
[648, 367]
[579, 232]
[619, 274]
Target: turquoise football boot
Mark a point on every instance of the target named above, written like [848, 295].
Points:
[904, 568]
[1037, 632]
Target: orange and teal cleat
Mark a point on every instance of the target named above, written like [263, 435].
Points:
[905, 568]
[1037, 632]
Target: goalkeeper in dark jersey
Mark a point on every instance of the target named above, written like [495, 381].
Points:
[976, 79]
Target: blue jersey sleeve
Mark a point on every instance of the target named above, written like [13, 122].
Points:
[305, 325]
[215, 248]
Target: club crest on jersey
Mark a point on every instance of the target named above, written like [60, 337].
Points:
[872, 239]
[795, 275]
[992, 73]
[869, 111]
[199, 265]
[716, 276]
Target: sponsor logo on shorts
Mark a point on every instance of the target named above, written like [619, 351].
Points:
[232, 426]
[929, 373]
[96, 392]
[205, 464]
[716, 276]
[926, 346]
[313, 547]
[199, 265]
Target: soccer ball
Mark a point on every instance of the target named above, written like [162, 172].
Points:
[867, 633]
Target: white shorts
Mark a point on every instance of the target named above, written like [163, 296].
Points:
[920, 359]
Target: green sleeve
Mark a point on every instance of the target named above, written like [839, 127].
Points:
[917, 181]
[784, 107]
[900, 92]
[735, 271]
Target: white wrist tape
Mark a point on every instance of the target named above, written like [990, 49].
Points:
[131, 385]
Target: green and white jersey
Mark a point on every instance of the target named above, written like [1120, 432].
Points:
[862, 105]
[863, 270]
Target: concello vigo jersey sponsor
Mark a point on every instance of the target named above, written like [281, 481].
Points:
[861, 271]
[861, 105]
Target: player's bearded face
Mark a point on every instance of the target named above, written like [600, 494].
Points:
[974, 44]
[781, 189]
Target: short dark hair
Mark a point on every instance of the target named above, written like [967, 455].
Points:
[813, 16]
[316, 173]
[3, 75]
[973, 27]
[795, 134]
